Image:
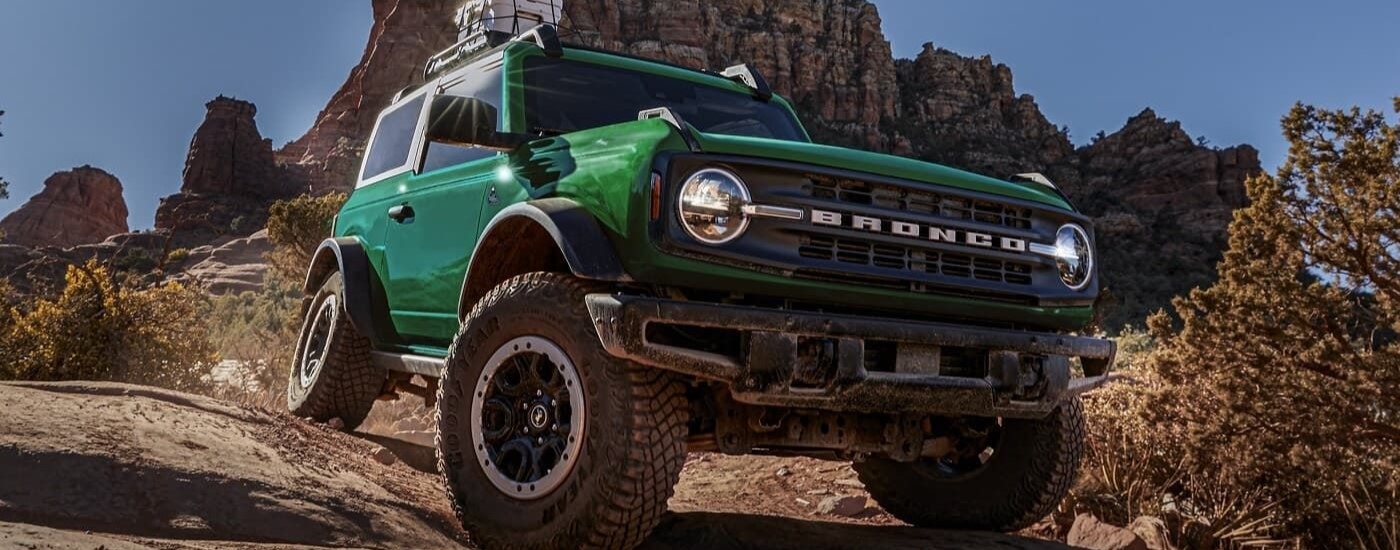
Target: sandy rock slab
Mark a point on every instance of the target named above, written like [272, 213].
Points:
[144, 465]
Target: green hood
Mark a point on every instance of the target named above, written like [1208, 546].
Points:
[874, 163]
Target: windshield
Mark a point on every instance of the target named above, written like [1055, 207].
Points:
[564, 96]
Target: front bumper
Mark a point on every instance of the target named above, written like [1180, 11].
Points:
[818, 361]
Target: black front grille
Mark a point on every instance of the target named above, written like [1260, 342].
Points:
[865, 253]
[870, 230]
[918, 201]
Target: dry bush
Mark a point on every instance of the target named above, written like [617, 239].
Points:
[98, 328]
[1136, 465]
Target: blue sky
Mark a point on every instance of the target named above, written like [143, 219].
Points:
[122, 85]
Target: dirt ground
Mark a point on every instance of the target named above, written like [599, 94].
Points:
[90, 465]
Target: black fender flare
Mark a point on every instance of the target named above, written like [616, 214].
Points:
[580, 239]
[364, 298]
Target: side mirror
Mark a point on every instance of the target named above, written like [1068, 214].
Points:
[465, 121]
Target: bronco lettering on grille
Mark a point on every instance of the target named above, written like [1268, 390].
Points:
[915, 230]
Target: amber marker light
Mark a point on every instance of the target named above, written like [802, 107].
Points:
[655, 196]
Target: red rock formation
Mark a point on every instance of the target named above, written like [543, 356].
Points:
[965, 112]
[229, 156]
[80, 206]
[1153, 166]
[1162, 203]
[231, 176]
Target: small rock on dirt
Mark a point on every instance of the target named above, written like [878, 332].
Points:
[1089, 532]
[848, 506]
[784, 471]
[850, 483]
[384, 456]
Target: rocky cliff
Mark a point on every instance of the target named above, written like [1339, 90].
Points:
[404, 35]
[1160, 196]
[230, 178]
[80, 206]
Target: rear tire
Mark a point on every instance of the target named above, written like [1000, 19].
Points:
[332, 375]
[504, 439]
[1029, 472]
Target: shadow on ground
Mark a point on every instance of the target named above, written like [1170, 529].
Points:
[697, 530]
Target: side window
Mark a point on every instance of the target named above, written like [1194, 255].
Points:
[393, 139]
[484, 85]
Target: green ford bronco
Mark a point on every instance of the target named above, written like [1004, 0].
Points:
[591, 264]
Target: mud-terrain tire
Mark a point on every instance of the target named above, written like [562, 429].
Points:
[633, 426]
[332, 375]
[1030, 471]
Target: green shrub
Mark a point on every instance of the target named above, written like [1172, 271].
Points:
[296, 227]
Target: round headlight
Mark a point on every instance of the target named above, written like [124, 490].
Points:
[711, 206]
[1074, 256]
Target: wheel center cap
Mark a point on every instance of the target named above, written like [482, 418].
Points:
[539, 417]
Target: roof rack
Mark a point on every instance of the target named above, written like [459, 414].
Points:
[484, 24]
[546, 36]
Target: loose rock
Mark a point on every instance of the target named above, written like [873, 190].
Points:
[847, 506]
[383, 456]
[1089, 532]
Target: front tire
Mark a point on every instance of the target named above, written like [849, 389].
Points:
[545, 440]
[1030, 468]
[332, 375]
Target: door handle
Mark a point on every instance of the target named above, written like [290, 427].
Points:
[402, 213]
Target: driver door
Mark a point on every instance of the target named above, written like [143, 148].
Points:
[434, 225]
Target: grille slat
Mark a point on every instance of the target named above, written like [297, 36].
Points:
[860, 252]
